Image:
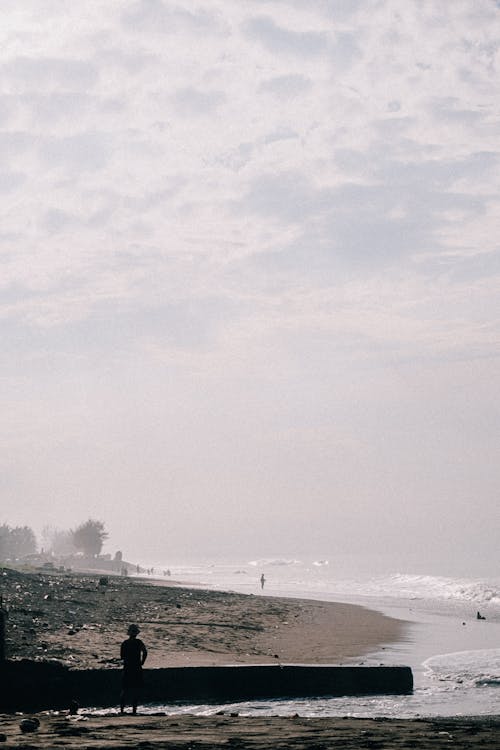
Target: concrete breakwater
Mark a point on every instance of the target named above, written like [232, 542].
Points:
[28, 685]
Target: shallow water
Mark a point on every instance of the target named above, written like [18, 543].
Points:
[455, 658]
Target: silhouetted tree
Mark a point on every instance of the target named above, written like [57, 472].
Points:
[89, 537]
[16, 542]
[23, 541]
[58, 541]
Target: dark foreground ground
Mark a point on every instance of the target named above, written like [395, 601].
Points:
[256, 733]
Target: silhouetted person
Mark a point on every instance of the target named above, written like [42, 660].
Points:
[262, 581]
[134, 653]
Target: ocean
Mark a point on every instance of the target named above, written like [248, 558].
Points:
[455, 657]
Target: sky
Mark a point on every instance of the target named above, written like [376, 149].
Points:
[250, 276]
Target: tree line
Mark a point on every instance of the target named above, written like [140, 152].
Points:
[19, 541]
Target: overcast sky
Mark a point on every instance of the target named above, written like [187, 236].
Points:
[250, 275]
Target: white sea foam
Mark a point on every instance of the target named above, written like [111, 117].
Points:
[274, 561]
[437, 587]
[476, 668]
[428, 587]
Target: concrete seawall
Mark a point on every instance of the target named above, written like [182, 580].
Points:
[27, 685]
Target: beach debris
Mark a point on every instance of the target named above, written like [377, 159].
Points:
[29, 725]
[103, 581]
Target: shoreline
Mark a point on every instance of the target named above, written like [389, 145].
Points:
[194, 625]
[71, 618]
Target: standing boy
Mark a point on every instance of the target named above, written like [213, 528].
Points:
[134, 653]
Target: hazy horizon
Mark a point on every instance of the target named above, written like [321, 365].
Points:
[250, 276]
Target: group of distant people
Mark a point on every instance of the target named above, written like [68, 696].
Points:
[150, 571]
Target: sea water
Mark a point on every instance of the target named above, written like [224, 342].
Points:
[455, 657]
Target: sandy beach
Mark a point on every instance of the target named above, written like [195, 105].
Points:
[71, 618]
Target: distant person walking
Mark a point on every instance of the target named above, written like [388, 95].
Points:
[262, 581]
[134, 653]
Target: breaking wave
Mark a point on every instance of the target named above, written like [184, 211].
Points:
[478, 668]
[277, 561]
[436, 587]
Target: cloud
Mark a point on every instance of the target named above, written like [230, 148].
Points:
[288, 196]
[14, 144]
[45, 73]
[190, 101]
[343, 51]
[278, 39]
[85, 152]
[448, 108]
[357, 228]
[286, 86]
[158, 17]
[56, 220]
[335, 9]
[59, 107]
[11, 181]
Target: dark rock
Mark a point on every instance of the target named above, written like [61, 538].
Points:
[29, 725]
